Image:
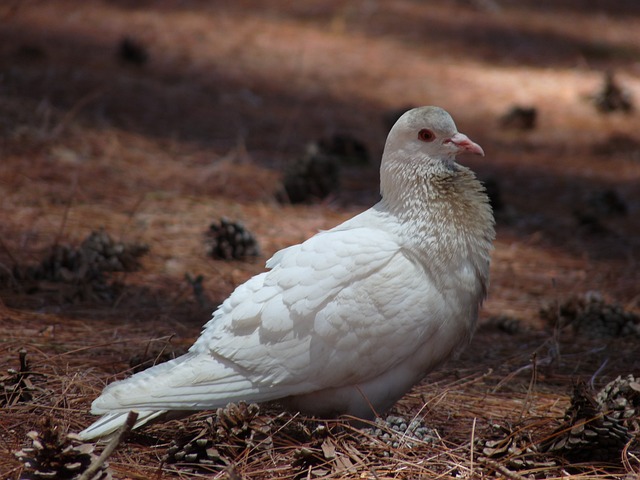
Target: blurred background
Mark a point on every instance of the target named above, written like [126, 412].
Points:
[153, 118]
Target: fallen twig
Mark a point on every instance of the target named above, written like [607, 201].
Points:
[111, 446]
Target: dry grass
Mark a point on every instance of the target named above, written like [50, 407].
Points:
[230, 93]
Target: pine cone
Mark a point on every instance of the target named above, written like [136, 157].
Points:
[231, 241]
[234, 424]
[592, 316]
[237, 428]
[52, 455]
[199, 450]
[621, 400]
[588, 434]
[108, 255]
[231, 431]
[311, 178]
[80, 273]
[520, 118]
[612, 97]
[513, 446]
[346, 149]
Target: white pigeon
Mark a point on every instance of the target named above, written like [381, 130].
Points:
[349, 320]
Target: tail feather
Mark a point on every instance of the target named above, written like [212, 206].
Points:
[190, 382]
[108, 424]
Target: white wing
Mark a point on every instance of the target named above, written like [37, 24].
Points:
[339, 309]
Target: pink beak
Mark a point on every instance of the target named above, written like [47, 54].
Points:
[463, 142]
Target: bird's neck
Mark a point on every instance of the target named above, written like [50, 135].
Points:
[442, 211]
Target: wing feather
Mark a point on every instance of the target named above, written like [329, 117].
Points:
[345, 306]
[330, 302]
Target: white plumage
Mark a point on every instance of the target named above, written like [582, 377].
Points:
[352, 318]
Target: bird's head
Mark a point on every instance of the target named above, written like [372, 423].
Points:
[423, 144]
[429, 132]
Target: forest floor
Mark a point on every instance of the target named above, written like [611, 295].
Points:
[196, 116]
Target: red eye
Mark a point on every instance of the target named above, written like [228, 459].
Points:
[426, 135]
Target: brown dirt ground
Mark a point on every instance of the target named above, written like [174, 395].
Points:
[234, 90]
